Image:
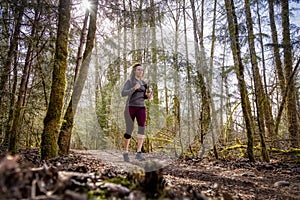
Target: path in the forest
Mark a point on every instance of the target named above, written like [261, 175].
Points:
[236, 179]
[115, 158]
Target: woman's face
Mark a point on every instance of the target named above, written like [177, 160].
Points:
[139, 70]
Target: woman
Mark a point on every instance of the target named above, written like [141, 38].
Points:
[136, 91]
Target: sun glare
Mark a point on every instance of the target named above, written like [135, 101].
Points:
[86, 4]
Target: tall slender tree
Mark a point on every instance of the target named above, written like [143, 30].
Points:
[19, 107]
[275, 45]
[239, 66]
[13, 48]
[201, 86]
[153, 53]
[190, 100]
[68, 123]
[260, 96]
[292, 116]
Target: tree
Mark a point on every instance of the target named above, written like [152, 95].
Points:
[19, 107]
[190, 100]
[201, 86]
[260, 96]
[288, 69]
[67, 126]
[12, 51]
[239, 66]
[275, 45]
[52, 121]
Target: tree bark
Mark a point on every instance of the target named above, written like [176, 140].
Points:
[12, 51]
[260, 96]
[235, 47]
[269, 119]
[288, 68]
[67, 125]
[68, 122]
[278, 63]
[52, 121]
[205, 112]
[19, 109]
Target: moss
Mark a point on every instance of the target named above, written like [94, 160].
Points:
[105, 194]
[98, 194]
[118, 180]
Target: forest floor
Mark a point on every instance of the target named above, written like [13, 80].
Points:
[103, 174]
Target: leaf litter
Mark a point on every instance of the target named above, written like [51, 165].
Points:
[83, 175]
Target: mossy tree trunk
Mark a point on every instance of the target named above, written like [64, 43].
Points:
[235, 47]
[52, 121]
[64, 138]
[260, 96]
[210, 82]
[201, 85]
[67, 124]
[11, 55]
[19, 107]
[292, 111]
[269, 119]
[276, 52]
[278, 64]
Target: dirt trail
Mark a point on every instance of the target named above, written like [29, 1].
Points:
[233, 179]
[114, 158]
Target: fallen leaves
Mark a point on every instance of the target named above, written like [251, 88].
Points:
[82, 176]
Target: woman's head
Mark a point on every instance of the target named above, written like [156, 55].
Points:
[137, 71]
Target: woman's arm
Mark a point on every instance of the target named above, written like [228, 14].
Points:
[127, 89]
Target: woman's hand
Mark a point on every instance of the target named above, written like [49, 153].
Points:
[137, 86]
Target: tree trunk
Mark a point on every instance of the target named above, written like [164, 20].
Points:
[19, 110]
[261, 43]
[154, 54]
[260, 96]
[205, 117]
[81, 44]
[269, 120]
[235, 47]
[132, 23]
[5, 41]
[52, 121]
[68, 122]
[12, 105]
[285, 97]
[215, 126]
[288, 68]
[166, 93]
[67, 125]
[125, 62]
[278, 64]
[176, 99]
[190, 101]
[12, 51]
[139, 26]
